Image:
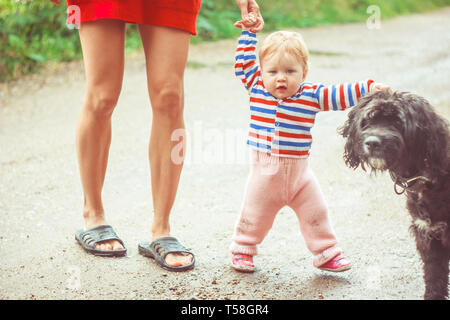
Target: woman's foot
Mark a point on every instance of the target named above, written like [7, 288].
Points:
[95, 220]
[338, 264]
[178, 259]
[242, 262]
[174, 259]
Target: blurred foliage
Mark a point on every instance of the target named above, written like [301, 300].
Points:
[33, 32]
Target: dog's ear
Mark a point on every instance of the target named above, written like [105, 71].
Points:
[350, 131]
[427, 134]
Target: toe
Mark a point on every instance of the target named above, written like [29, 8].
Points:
[109, 246]
[117, 246]
[178, 259]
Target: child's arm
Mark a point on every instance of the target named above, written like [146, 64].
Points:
[344, 95]
[246, 67]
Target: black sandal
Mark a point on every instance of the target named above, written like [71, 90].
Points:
[160, 248]
[88, 238]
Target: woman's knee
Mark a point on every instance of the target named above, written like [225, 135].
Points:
[167, 101]
[101, 104]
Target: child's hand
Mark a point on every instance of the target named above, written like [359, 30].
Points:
[251, 22]
[251, 16]
[380, 86]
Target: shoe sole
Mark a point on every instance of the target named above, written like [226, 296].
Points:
[244, 269]
[341, 269]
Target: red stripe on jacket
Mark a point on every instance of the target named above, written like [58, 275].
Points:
[326, 107]
[264, 101]
[262, 119]
[358, 94]
[259, 136]
[294, 118]
[342, 96]
[293, 135]
[246, 49]
[304, 102]
[291, 152]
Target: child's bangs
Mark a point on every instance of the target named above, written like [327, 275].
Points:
[285, 41]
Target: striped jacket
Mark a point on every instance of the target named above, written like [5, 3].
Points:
[282, 127]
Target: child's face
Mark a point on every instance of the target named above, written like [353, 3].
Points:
[282, 74]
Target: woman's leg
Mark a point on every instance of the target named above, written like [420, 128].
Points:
[166, 51]
[102, 42]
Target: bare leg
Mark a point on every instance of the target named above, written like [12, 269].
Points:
[166, 51]
[102, 43]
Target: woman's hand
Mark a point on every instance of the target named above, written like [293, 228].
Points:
[251, 16]
[55, 2]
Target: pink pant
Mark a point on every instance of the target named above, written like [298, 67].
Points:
[275, 182]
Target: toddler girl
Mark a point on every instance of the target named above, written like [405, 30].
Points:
[283, 108]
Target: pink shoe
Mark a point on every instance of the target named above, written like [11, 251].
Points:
[338, 264]
[242, 262]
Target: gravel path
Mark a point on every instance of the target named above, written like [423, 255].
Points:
[41, 199]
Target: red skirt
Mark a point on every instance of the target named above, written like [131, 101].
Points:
[180, 14]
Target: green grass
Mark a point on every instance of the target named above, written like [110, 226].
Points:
[33, 32]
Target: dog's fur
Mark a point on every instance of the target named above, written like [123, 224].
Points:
[401, 133]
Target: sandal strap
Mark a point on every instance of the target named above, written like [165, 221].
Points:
[242, 257]
[164, 246]
[339, 257]
[98, 234]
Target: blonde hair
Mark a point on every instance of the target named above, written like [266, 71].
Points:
[285, 41]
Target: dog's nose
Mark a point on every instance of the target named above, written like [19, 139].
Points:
[372, 143]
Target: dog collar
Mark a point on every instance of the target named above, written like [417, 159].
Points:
[406, 183]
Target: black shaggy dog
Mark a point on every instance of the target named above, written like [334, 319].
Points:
[401, 133]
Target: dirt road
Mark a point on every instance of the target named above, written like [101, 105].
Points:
[41, 199]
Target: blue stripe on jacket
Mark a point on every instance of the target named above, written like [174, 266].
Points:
[292, 144]
[294, 109]
[350, 96]
[292, 126]
[333, 97]
[259, 91]
[263, 110]
[255, 126]
[245, 57]
[258, 145]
